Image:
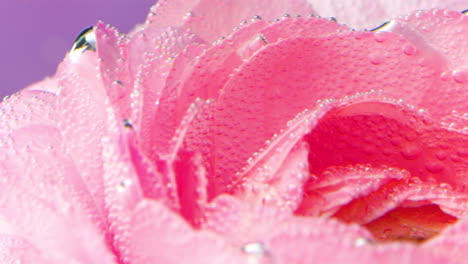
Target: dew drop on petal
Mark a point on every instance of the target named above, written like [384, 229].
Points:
[460, 76]
[123, 185]
[86, 40]
[445, 76]
[376, 58]
[380, 36]
[410, 151]
[409, 49]
[381, 27]
[434, 166]
[255, 248]
[362, 241]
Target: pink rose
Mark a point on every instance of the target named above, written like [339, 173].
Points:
[292, 139]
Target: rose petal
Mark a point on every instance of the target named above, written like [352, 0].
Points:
[278, 178]
[203, 19]
[256, 104]
[384, 134]
[82, 109]
[42, 200]
[158, 235]
[115, 74]
[28, 107]
[451, 242]
[437, 33]
[206, 74]
[152, 69]
[14, 249]
[278, 237]
[338, 186]
[363, 14]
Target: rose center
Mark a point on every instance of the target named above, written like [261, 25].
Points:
[373, 166]
[413, 224]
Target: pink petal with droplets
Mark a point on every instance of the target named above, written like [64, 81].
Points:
[27, 108]
[277, 178]
[114, 69]
[390, 135]
[206, 74]
[159, 235]
[83, 108]
[337, 186]
[191, 186]
[331, 67]
[42, 200]
[363, 14]
[153, 61]
[18, 250]
[437, 33]
[214, 19]
[451, 242]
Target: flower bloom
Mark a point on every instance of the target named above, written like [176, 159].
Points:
[290, 139]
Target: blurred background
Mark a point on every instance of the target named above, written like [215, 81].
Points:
[36, 34]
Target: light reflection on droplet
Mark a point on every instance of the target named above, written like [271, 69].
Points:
[255, 248]
[123, 185]
[86, 40]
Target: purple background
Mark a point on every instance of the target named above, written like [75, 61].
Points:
[36, 34]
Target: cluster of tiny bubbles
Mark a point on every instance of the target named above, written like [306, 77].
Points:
[219, 40]
[297, 117]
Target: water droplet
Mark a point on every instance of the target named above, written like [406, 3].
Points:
[362, 241]
[445, 185]
[380, 27]
[359, 35]
[410, 151]
[460, 76]
[124, 184]
[332, 19]
[380, 36]
[255, 248]
[435, 166]
[445, 76]
[442, 155]
[409, 49]
[376, 58]
[127, 123]
[387, 233]
[86, 40]
[188, 15]
[257, 17]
